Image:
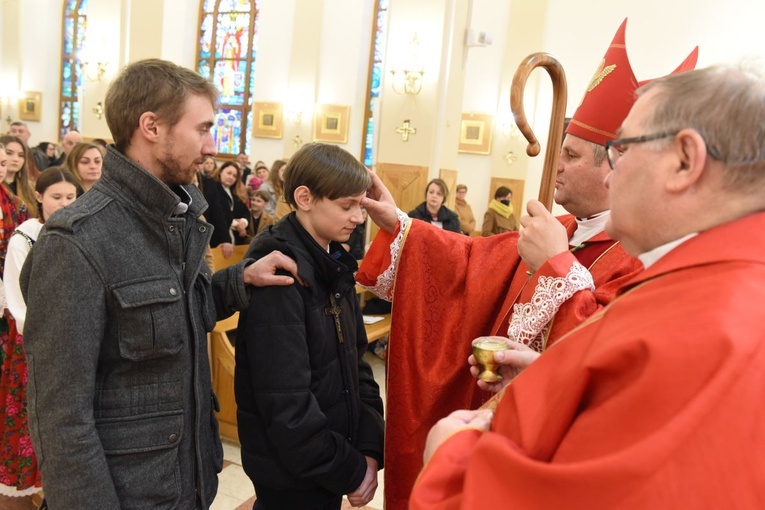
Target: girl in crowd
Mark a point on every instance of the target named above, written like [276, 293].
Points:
[85, 162]
[274, 184]
[226, 198]
[433, 209]
[17, 171]
[19, 478]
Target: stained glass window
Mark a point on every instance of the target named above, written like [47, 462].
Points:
[226, 53]
[75, 23]
[375, 79]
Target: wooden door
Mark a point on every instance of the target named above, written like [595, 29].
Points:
[450, 178]
[406, 183]
[516, 186]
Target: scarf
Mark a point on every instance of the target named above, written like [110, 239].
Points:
[503, 210]
[14, 214]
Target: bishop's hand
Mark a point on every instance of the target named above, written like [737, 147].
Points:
[380, 205]
[542, 236]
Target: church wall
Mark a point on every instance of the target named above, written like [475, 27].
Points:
[659, 35]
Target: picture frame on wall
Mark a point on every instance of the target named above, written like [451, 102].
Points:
[330, 123]
[267, 120]
[475, 133]
[30, 106]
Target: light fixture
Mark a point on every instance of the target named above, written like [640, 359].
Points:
[9, 96]
[94, 71]
[298, 107]
[99, 110]
[409, 79]
[92, 65]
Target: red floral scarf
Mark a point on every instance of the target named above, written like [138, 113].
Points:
[14, 214]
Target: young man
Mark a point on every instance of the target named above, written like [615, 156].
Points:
[119, 304]
[309, 411]
[657, 401]
[569, 270]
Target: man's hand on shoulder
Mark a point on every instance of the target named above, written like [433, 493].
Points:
[262, 273]
[542, 236]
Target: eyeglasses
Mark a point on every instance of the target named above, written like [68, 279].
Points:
[615, 148]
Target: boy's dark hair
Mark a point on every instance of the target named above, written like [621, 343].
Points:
[327, 170]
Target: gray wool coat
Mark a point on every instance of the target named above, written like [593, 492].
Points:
[119, 303]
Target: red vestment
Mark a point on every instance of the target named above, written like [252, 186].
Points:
[450, 289]
[656, 402]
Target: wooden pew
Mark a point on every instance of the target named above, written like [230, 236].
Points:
[222, 360]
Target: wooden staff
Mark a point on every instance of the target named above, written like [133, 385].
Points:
[557, 118]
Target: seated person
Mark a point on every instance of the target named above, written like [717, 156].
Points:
[499, 217]
[433, 210]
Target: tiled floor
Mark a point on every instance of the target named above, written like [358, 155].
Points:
[235, 491]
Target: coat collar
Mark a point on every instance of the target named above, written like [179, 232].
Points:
[144, 190]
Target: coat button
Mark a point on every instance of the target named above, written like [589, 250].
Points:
[349, 439]
[202, 229]
[337, 295]
[338, 269]
[173, 292]
[171, 228]
[172, 438]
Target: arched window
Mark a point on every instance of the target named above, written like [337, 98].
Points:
[226, 54]
[375, 79]
[75, 20]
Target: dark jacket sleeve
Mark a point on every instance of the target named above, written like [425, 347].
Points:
[66, 317]
[452, 222]
[218, 212]
[241, 211]
[371, 422]
[280, 376]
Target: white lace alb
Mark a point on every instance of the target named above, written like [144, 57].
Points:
[385, 282]
[529, 321]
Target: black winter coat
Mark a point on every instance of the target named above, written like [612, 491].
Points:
[446, 216]
[309, 410]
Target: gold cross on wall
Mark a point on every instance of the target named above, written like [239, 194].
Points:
[405, 130]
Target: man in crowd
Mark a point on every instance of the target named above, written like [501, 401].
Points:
[21, 130]
[480, 286]
[71, 139]
[120, 301]
[464, 211]
[244, 163]
[642, 405]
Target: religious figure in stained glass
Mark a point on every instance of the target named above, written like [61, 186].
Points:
[75, 24]
[226, 55]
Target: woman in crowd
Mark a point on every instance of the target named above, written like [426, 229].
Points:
[433, 209]
[19, 478]
[84, 162]
[499, 217]
[226, 198]
[277, 207]
[44, 155]
[17, 175]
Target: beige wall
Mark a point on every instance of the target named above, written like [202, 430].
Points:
[316, 52]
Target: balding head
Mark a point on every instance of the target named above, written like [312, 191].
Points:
[71, 139]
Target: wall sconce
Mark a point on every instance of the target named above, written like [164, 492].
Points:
[298, 108]
[409, 79]
[99, 110]
[506, 123]
[94, 71]
[8, 98]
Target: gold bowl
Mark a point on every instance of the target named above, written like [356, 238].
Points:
[483, 350]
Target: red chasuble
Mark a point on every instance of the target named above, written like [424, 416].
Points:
[450, 289]
[655, 402]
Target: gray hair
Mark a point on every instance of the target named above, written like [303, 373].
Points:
[726, 106]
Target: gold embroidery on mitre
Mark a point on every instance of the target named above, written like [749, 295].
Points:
[600, 73]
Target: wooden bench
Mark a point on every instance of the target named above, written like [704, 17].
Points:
[222, 360]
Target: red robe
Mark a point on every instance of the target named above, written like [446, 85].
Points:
[656, 402]
[449, 290]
